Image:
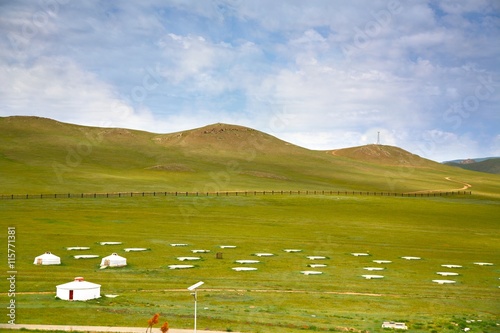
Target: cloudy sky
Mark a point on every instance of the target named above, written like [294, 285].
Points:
[322, 74]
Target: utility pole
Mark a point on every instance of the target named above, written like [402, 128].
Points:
[194, 289]
[378, 137]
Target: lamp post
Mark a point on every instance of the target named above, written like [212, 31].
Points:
[194, 288]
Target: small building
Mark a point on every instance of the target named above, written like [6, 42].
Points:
[113, 260]
[394, 325]
[78, 290]
[47, 259]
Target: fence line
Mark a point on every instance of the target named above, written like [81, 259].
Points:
[227, 193]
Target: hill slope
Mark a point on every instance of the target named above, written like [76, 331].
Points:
[490, 165]
[39, 155]
[382, 154]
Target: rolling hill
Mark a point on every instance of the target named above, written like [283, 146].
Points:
[489, 165]
[39, 155]
[381, 154]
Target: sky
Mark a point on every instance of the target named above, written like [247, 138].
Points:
[321, 74]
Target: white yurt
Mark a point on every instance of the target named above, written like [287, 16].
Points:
[78, 290]
[47, 259]
[113, 260]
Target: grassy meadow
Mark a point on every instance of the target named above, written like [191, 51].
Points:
[41, 156]
[276, 297]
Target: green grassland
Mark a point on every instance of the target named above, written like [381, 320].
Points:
[276, 297]
[42, 156]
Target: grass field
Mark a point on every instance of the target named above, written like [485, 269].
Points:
[276, 297]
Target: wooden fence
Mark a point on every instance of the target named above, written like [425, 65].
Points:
[226, 193]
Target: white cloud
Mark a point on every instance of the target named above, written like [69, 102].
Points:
[58, 88]
[323, 96]
[197, 64]
[445, 146]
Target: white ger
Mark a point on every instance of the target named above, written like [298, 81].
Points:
[78, 290]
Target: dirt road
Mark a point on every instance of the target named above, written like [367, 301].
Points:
[72, 328]
[465, 187]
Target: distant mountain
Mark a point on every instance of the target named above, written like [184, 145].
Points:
[487, 164]
[40, 155]
[470, 160]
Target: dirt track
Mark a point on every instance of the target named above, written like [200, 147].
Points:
[465, 187]
[71, 328]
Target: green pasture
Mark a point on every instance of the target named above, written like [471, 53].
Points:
[277, 297]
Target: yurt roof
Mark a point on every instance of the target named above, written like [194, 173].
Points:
[48, 255]
[78, 283]
[114, 256]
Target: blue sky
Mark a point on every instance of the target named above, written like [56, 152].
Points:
[322, 74]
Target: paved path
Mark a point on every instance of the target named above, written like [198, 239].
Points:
[70, 328]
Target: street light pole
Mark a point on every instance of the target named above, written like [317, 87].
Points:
[194, 289]
[195, 308]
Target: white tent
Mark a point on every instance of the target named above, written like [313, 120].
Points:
[78, 290]
[47, 259]
[113, 260]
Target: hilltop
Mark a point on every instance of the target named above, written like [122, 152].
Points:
[383, 154]
[40, 155]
